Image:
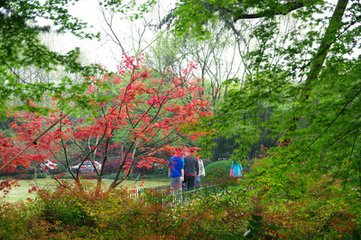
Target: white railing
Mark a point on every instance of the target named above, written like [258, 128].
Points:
[163, 195]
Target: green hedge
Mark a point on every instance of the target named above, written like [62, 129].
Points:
[217, 172]
[24, 176]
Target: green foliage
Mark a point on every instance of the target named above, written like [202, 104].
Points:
[308, 186]
[13, 220]
[130, 9]
[21, 49]
[78, 213]
[217, 172]
[62, 208]
[188, 12]
[302, 94]
[268, 102]
[165, 52]
[301, 206]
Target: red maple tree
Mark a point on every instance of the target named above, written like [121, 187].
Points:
[133, 115]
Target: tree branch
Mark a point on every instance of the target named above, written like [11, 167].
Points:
[33, 142]
[282, 10]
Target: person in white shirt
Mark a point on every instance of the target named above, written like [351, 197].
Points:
[201, 172]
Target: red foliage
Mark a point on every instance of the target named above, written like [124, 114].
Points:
[8, 151]
[140, 118]
[7, 185]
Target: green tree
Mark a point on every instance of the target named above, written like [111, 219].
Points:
[302, 90]
[21, 48]
[301, 53]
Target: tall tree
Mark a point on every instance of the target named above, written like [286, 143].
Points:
[137, 112]
[307, 102]
[302, 50]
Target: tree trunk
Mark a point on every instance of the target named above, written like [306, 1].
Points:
[332, 30]
[318, 60]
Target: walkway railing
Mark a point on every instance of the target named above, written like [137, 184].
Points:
[163, 195]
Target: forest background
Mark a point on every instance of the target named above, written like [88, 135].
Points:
[272, 84]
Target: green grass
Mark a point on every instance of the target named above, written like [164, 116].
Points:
[21, 192]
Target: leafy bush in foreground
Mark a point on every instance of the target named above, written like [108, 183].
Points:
[73, 213]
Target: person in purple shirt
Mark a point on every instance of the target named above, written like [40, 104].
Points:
[176, 171]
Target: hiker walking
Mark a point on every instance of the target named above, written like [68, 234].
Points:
[191, 170]
[176, 171]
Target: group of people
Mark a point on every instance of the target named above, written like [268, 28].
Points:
[185, 170]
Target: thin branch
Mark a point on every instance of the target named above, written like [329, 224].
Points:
[351, 154]
[34, 142]
[114, 36]
[326, 129]
[65, 153]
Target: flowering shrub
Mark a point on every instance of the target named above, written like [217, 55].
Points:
[83, 213]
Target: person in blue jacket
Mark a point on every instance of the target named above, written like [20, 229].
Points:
[176, 171]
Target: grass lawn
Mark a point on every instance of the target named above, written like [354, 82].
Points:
[21, 192]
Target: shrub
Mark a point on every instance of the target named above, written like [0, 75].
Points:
[24, 176]
[32, 176]
[217, 172]
[75, 213]
[66, 206]
[14, 219]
